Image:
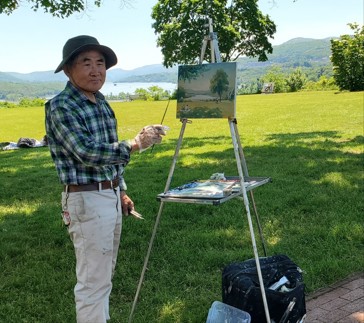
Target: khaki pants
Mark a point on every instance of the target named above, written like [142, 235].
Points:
[95, 231]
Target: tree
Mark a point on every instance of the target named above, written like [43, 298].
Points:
[188, 73]
[242, 29]
[296, 80]
[157, 92]
[142, 94]
[276, 76]
[348, 59]
[62, 8]
[323, 84]
[59, 8]
[219, 83]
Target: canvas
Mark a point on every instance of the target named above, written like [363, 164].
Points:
[207, 91]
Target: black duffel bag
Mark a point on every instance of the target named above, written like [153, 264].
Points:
[286, 303]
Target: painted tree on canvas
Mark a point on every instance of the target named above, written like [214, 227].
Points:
[219, 83]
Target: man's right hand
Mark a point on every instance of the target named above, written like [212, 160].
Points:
[149, 136]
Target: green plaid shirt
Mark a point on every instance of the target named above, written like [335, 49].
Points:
[83, 140]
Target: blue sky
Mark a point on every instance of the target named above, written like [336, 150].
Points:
[33, 41]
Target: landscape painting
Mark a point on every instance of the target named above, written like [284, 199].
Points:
[207, 91]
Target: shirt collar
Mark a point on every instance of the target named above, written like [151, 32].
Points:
[75, 91]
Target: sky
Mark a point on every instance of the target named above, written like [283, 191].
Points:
[33, 41]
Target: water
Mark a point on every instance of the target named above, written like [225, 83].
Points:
[220, 312]
[116, 88]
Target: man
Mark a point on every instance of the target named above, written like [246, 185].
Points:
[90, 160]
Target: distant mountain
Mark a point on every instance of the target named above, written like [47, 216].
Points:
[137, 74]
[311, 55]
[298, 52]
[113, 75]
[47, 76]
[7, 77]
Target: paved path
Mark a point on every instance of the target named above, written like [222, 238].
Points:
[342, 302]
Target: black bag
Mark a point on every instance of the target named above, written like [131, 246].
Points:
[241, 289]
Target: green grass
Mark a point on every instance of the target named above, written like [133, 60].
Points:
[310, 144]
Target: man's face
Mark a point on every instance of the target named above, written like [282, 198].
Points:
[88, 71]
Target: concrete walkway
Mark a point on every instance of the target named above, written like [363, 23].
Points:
[342, 302]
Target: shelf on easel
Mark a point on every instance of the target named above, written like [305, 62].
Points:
[213, 192]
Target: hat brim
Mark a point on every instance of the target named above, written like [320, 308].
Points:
[110, 57]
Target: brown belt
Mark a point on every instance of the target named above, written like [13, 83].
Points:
[104, 185]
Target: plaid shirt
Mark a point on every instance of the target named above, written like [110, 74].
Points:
[83, 140]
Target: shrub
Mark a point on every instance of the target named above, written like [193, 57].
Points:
[26, 102]
[323, 84]
[6, 104]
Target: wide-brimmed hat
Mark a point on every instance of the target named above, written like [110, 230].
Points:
[81, 43]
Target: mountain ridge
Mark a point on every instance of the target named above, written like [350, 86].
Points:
[294, 52]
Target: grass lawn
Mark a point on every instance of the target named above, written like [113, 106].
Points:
[309, 143]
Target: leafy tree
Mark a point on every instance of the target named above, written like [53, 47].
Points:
[180, 93]
[192, 72]
[323, 84]
[120, 96]
[219, 83]
[296, 80]
[28, 102]
[242, 29]
[153, 93]
[59, 8]
[276, 76]
[143, 93]
[253, 87]
[157, 92]
[6, 104]
[348, 59]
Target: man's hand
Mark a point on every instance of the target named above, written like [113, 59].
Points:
[126, 203]
[149, 136]
[127, 206]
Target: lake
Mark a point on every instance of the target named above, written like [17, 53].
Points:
[116, 88]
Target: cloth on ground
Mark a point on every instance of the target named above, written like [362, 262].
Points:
[24, 142]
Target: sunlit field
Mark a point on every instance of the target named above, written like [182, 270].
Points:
[309, 143]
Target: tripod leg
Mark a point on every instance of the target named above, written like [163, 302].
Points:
[245, 171]
[247, 208]
[203, 50]
[258, 222]
[171, 171]
[146, 260]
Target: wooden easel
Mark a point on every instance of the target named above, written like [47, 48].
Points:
[243, 178]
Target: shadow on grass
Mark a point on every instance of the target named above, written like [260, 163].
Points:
[312, 211]
[36, 255]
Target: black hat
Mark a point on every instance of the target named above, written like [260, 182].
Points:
[78, 44]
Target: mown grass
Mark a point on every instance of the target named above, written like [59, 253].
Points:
[310, 144]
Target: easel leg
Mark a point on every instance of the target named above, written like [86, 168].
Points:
[176, 153]
[141, 279]
[251, 228]
[258, 223]
[245, 172]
